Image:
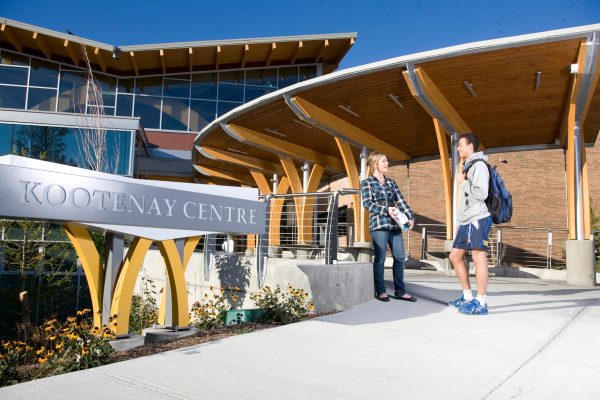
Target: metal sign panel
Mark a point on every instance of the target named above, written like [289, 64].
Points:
[69, 197]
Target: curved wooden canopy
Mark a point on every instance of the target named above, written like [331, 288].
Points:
[511, 92]
[164, 58]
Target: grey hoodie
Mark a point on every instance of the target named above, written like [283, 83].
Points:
[474, 191]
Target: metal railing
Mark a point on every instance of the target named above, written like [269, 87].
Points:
[509, 245]
[307, 225]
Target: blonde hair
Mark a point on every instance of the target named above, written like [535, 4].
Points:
[372, 161]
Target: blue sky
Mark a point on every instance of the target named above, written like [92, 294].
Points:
[385, 28]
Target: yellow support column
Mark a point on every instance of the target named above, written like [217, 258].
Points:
[177, 285]
[276, 210]
[572, 223]
[446, 176]
[306, 212]
[361, 231]
[90, 261]
[296, 185]
[121, 303]
[188, 250]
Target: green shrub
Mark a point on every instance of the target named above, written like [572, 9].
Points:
[144, 312]
[211, 310]
[280, 307]
[54, 348]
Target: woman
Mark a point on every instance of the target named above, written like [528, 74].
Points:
[382, 197]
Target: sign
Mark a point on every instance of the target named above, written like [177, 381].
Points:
[100, 198]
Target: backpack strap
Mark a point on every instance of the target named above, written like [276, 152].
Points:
[466, 170]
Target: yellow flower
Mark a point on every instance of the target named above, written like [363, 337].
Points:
[59, 346]
[52, 337]
[50, 353]
[41, 350]
[42, 360]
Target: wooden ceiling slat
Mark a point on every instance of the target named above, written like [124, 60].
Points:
[12, 38]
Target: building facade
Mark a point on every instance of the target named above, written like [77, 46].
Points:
[153, 100]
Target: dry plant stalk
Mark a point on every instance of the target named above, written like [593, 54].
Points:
[92, 133]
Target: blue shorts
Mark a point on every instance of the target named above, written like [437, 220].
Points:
[474, 236]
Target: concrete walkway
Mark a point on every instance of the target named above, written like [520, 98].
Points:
[541, 340]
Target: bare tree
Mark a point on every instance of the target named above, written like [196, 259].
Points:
[95, 152]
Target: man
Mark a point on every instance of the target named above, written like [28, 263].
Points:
[475, 225]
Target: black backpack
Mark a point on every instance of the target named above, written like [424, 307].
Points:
[499, 200]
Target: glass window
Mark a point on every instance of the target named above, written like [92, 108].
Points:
[231, 92]
[106, 111]
[148, 109]
[41, 99]
[43, 74]
[202, 112]
[108, 84]
[175, 114]
[13, 59]
[308, 72]
[288, 76]
[262, 77]
[6, 135]
[12, 97]
[231, 86]
[124, 105]
[13, 75]
[108, 99]
[204, 86]
[177, 87]
[126, 85]
[72, 91]
[62, 145]
[253, 92]
[152, 86]
[224, 107]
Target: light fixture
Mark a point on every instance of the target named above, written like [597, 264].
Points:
[469, 87]
[395, 100]
[237, 151]
[275, 132]
[302, 123]
[538, 80]
[574, 69]
[116, 53]
[348, 109]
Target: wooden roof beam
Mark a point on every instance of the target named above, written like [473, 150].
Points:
[224, 174]
[72, 53]
[41, 44]
[339, 127]
[270, 56]
[100, 59]
[134, 63]
[190, 59]
[347, 47]
[161, 53]
[296, 52]
[245, 51]
[433, 101]
[583, 86]
[320, 55]
[12, 38]
[239, 159]
[217, 56]
[280, 146]
[261, 182]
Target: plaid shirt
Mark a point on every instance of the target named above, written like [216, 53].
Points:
[377, 200]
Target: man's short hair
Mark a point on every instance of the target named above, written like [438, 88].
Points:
[471, 139]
